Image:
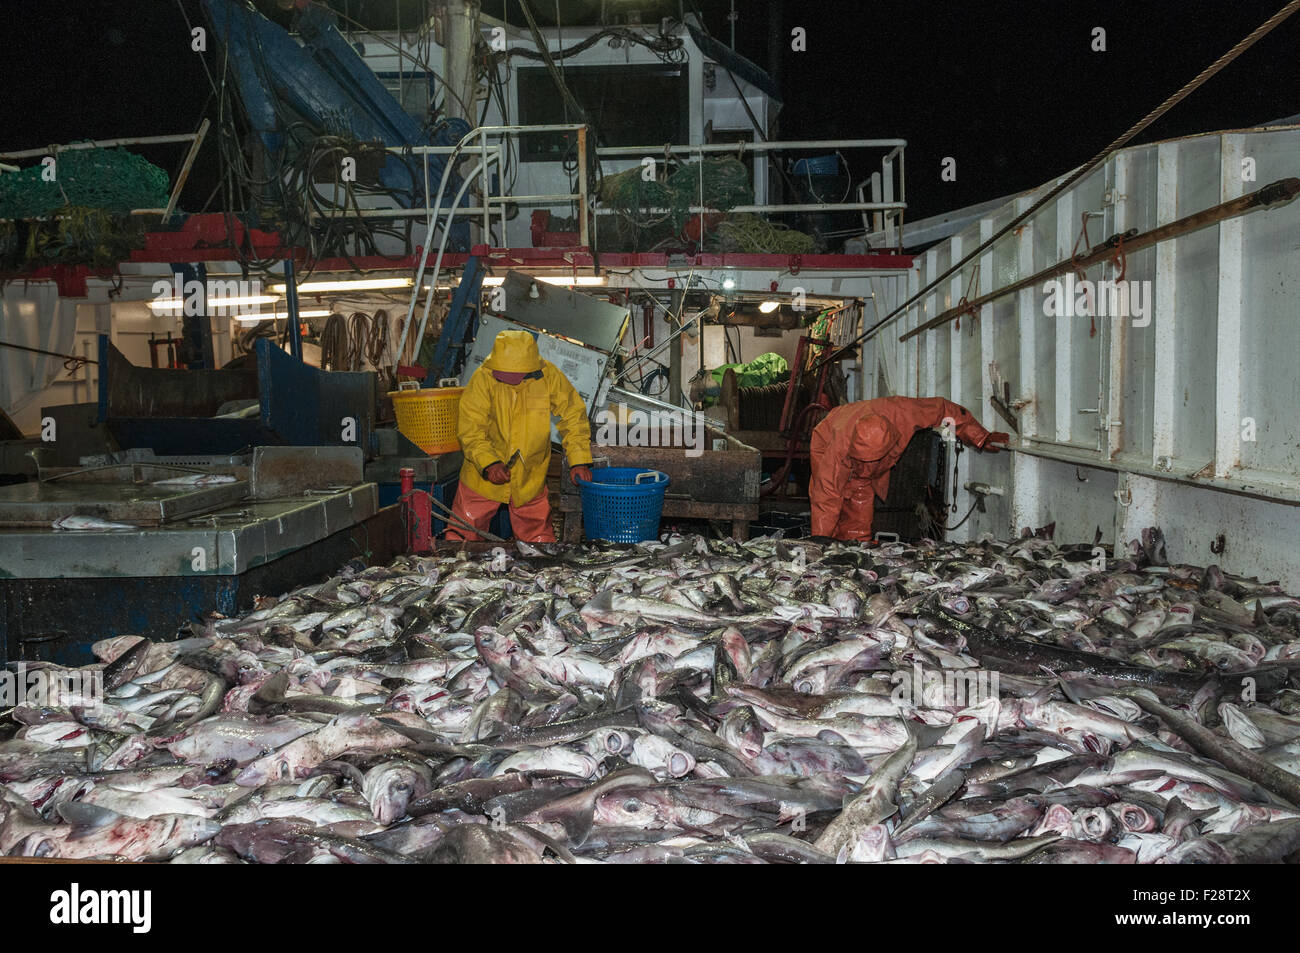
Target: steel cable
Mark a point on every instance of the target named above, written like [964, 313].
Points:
[1191, 86]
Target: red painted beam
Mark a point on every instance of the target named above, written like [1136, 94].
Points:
[206, 238]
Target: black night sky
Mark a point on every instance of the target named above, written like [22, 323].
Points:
[1010, 88]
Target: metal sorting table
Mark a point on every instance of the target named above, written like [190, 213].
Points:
[294, 514]
[225, 541]
[122, 494]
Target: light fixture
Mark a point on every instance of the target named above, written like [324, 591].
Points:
[583, 281]
[586, 281]
[532, 290]
[350, 284]
[728, 283]
[176, 304]
[767, 307]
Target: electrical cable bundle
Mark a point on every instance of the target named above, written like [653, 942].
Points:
[350, 344]
[283, 191]
[335, 353]
[670, 49]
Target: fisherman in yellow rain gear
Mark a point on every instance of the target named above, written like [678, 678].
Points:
[505, 434]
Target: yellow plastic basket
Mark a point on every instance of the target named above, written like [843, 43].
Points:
[427, 416]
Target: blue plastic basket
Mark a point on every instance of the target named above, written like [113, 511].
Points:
[821, 165]
[623, 504]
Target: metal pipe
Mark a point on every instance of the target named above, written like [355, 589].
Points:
[291, 306]
[462, 32]
[802, 207]
[424, 248]
[433, 219]
[449, 150]
[486, 191]
[639, 358]
[437, 266]
[584, 236]
[99, 144]
[675, 355]
[463, 210]
[1275, 193]
[752, 146]
[185, 169]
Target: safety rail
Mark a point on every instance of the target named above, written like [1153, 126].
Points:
[888, 212]
[489, 155]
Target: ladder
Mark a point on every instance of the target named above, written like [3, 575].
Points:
[461, 325]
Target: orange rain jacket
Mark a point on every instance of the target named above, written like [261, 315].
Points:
[855, 447]
[497, 419]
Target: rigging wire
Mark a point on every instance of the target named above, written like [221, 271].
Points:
[1182, 93]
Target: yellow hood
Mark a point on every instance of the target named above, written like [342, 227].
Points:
[514, 352]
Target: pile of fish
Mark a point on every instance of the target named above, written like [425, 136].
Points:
[691, 701]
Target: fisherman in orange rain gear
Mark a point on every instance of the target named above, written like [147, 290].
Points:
[505, 433]
[855, 447]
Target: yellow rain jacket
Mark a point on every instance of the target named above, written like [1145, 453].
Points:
[496, 419]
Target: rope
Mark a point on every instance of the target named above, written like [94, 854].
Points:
[928, 522]
[71, 362]
[72, 235]
[450, 516]
[750, 233]
[1191, 86]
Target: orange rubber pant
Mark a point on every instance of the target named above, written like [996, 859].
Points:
[530, 522]
[858, 511]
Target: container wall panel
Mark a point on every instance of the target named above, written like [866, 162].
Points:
[1146, 417]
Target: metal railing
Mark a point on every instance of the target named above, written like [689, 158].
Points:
[887, 210]
[489, 156]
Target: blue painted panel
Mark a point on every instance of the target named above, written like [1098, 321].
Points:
[306, 406]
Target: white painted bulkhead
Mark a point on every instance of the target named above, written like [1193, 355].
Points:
[1186, 415]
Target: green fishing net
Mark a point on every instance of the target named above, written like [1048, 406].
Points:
[112, 180]
[721, 184]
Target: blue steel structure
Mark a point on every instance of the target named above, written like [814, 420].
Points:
[170, 411]
[291, 305]
[325, 84]
[196, 329]
[461, 324]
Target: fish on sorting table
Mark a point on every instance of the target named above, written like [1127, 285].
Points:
[690, 701]
[88, 524]
[196, 479]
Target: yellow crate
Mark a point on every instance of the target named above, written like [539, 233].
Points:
[427, 417]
